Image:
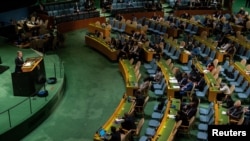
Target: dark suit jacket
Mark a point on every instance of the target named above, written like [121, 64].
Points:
[115, 136]
[187, 87]
[19, 63]
[201, 84]
[129, 123]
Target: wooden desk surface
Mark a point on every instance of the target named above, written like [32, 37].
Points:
[34, 61]
[242, 69]
[128, 73]
[169, 76]
[123, 107]
[219, 53]
[220, 117]
[92, 28]
[240, 42]
[167, 124]
[101, 46]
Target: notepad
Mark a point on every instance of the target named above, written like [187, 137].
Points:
[224, 112]
[176, 87]
[173, 81]
[171, 116]
[171, 78]
[27, 64]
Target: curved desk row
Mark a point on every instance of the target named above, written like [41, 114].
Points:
[210, 80]
[239, 41]
[101, 46]
[129, 75]
[172, 83]
[93, 27]
[123, 107]
[167, 124]
[201, 28]
[242, 69]
[219, 53]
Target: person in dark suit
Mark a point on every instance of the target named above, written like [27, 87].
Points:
[187, 112]
[201, 83]
[186, 88]
[128, 123]
[235, 112]
[19, 62]
[115, 135]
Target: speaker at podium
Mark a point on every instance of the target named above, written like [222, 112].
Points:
[28, 82]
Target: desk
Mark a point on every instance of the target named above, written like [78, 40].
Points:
[123, 107]
[128, 73]
[209, 78]
[33, 64]
[242, 69]
[102, 47]
[173, 85]
[220, 117]
[148, 55]
[167, 124]
[239, 41]
[219, 54]
[92, 28]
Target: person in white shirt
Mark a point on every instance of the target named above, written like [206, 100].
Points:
[225, 90]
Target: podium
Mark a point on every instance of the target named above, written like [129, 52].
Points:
[30, 80]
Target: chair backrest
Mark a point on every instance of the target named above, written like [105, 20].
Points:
[248, 91]
[244, 85]
[226, 64]
[126, 136]
[232, 87]
[248, 67]
[139, 127]
[243, 62]
[240, 79]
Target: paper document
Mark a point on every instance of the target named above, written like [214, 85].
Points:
[176, 87]
[27, 64]
[173, 81]
[171, 116]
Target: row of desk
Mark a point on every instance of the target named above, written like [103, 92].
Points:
[210, 80]
[101, 46]
[219, 53]
[123, 107]
[129, 75]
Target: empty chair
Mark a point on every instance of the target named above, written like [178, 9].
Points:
[152, 70]
[206, 118]
[229, 69]
[202, 135]
[159, 85]
[244, 95]
[246, 56]
[238, 81]
[242, 88]
[202, 94]
[176, 56]
[224, 66]
[149, 65]
[161, 92]
[204, 126]
[187, 67]
[206, 53]
[206, 110]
